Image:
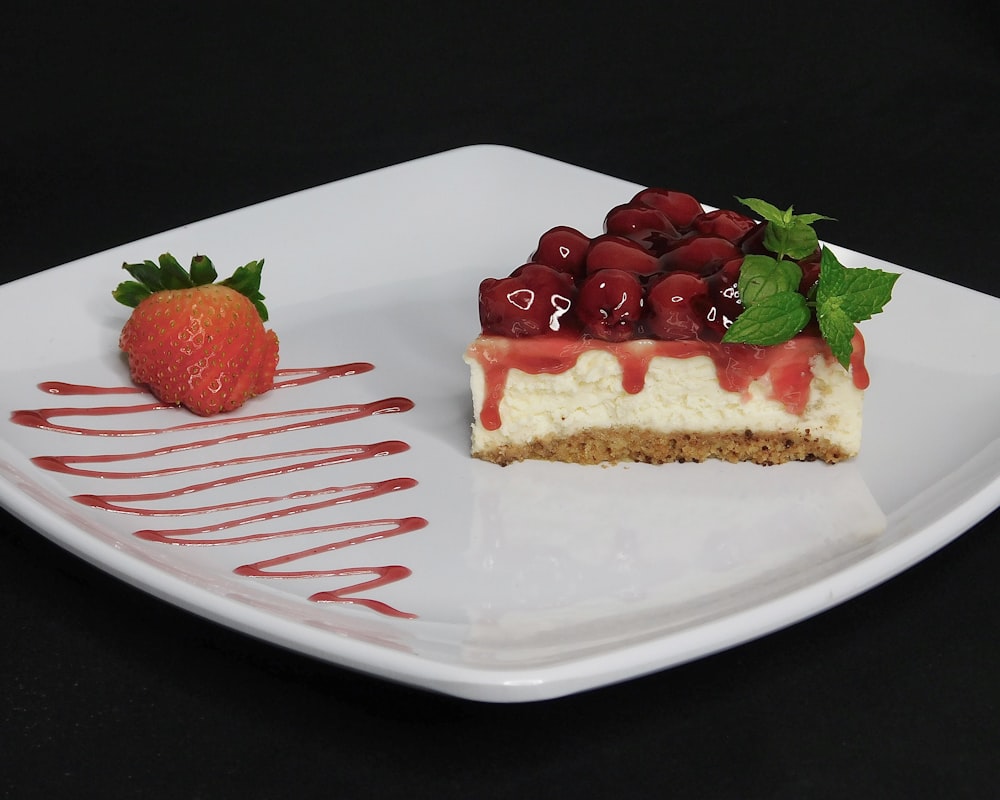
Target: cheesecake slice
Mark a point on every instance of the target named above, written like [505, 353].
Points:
[618, 347]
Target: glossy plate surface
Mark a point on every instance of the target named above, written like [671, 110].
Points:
[331, 518]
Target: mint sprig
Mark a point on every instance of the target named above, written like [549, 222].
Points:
[788, 234]
[846, 296]
[775, 310]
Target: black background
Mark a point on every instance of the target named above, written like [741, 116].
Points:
[121, 120]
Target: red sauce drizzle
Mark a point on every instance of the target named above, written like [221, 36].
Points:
[292, 461]
[337, 455]
[736, 365]
[265, 569]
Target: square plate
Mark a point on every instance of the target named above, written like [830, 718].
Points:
[423, 565]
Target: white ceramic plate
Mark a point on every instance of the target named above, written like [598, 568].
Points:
[526, 582]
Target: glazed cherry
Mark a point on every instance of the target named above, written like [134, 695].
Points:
[675, 306]
[752, 242]
[729, 225]
[643, 224]
[810, 272]
[636, 221]
[609, 305]
[723, 298]
[533, 301]
[562, 248]
[617, 252]
[701, 254]
[678, 207]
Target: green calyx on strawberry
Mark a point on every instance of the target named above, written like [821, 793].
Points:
[196, 342]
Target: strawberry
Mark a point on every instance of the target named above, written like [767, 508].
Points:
[194, 342]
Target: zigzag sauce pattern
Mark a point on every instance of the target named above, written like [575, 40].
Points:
[289, 461]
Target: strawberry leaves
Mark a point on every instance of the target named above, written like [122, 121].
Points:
[246, 281]
[167, 273]
[774, 308]
[202, 270]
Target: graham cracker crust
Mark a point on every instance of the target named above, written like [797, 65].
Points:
[612, 445]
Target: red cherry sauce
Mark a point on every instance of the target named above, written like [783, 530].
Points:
[736, 365]
[288, 462]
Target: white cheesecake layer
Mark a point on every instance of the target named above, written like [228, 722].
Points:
[680, 395]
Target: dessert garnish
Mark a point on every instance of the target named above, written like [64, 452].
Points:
[193, 341]
[770, 286]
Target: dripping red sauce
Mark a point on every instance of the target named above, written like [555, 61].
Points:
[291, 461]
[736, 365]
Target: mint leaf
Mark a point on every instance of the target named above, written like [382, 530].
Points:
[838, 331]
[763, 276]
[795, 239]
[809, 219]
[861, 293]
[832, 277]
[787, 234]
[867, 292]
[846, 296]
[766, 210]
[773, 320]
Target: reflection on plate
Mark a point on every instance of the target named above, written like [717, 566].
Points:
[582, 558]
[341, 515]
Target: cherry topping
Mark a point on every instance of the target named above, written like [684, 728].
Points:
[663, 268]
[701, 254]
[636, 220]
[643, 224]
[675, 306]
[724, 297]
[562, 248]
[679, 208]
[753, 242]
[729, 225]
[810, 272]
[609, 305]
[616, 252]
[534, 300]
